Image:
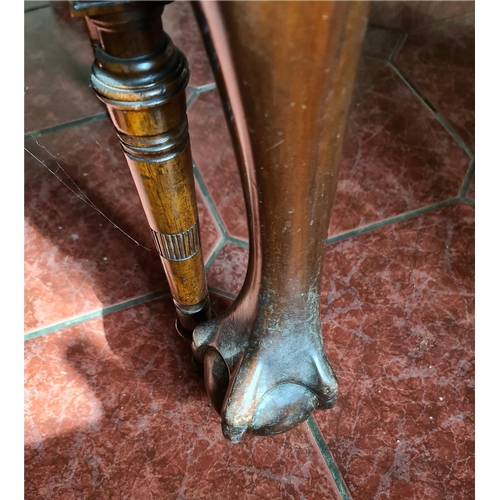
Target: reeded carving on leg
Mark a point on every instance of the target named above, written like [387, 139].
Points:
[141, 77]
[286, 88]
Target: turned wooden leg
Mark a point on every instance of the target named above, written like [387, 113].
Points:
[285, 71]
[141, 77]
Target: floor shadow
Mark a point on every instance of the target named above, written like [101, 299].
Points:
[152, 406]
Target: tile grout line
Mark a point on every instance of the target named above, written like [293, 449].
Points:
[214, 253]
[223, 293]
[432, 110]
[122, 305]
[328, 458]
[391, 220]
[397, 48]
[191, 99]
[38, 7]
[384, 28]
[63, 126]
[148, 297]
[467, 179]
[377, 58]
[206, 195]
[201, 182]
[99, 116]
[96, 314]
[237, 242]
[209, 201]
[204, 88]
[432, 24]
[226, 238]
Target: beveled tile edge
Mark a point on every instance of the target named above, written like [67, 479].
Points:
[62, 126]
[204, 190]
[328, 458]
[95, 314]
[393, 220]
[444, 123]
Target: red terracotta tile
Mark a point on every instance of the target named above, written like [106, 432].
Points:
[76, 261]
[398, 323]
[228, 271]
[114, 409]
[396, 157]
[214, 157]
[180, 24]
[219, 303]
[380, 42]
[403, 15]
[440, 62]
[209, 231]
[57, 62]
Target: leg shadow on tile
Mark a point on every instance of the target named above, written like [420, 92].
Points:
[115, 409]
[128, 408]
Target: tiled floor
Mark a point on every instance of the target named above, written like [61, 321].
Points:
[114, 408]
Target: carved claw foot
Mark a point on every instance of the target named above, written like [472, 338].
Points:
[285, 95]
[267, 373]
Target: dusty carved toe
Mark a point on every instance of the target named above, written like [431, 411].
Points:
[264, 378]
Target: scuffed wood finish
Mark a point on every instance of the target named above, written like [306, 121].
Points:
[286, 72]
[141, 77]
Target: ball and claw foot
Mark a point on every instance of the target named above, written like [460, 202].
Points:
[264, 378]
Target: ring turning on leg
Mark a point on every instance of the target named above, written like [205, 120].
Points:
[141, 77]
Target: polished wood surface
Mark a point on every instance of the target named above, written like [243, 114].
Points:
[141, 77]
[286, 72]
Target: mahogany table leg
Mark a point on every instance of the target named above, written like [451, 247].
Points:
[141, 77]
[285, 71]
